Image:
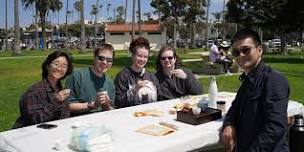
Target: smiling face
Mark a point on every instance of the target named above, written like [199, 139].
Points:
[57, 68]
[140, 58]
[167, 60]
[103, 61]
[247, 53]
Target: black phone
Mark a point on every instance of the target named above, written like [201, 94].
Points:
[46, 126]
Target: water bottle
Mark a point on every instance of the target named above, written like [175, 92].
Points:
[212, 93]
[296, 135]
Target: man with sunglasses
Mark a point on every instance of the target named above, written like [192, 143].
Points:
[91, 89]
[257, 118]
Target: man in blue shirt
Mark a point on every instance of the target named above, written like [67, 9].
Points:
[257, 119]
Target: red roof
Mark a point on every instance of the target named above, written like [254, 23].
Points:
[128, 28]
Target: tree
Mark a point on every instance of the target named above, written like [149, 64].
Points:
[43, 7]
[120, 13]
[16, 50]
[82, 38]
[171, 9]
[77, 6]
[108, 10]
[148, 16]
[193, 13]
[126, 7]
[6, 32]
[276, 16]
[139, 18]
[66, 19]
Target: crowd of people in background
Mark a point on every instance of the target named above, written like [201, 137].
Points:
[257, 119]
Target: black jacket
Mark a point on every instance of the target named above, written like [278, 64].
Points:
[174, 87]
[259, 112]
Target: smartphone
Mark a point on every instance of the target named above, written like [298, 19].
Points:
[46, 126]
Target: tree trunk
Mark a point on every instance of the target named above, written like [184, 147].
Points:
[82, 38]
[66, 20]
[139, 18]
[43, 30]
[16, 50]
[207, 26]
[36, 30]
[126, 7]
[133, 20]
[6, 32]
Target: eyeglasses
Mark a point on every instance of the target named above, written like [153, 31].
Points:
[244, 50]
[167, 57]
[58, 65]
[102, 58]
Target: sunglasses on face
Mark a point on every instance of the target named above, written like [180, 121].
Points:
[244, 50]
[102, 58]
[167, 57]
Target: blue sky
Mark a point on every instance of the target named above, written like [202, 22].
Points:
[26, 15]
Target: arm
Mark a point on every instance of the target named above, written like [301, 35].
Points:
[37, 108]
[124, 95]
[275, 113]
[192, 84]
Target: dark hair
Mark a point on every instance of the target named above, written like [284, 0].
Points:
[247, 33]
[53, 56]
[139, 42]
[103, 47]
[161, 51]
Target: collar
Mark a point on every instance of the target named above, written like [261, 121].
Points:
[253, 75]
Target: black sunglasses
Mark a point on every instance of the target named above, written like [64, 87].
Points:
[166, 57]
[244, 50]
[102, 58]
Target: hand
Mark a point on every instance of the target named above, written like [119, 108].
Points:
[228, 137]
[180, 73]
[62, 95]
[141, 83]
[102, 100]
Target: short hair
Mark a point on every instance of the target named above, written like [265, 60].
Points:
[139, 42]
[53, 56]
[103, 47]
[247, 33]
[161, 51]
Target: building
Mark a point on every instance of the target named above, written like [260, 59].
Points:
[120, 35]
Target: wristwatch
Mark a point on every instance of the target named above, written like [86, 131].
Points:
[90, 105]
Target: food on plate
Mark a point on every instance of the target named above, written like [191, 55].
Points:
[151, 112]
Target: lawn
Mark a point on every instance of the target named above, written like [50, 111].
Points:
[19, 73]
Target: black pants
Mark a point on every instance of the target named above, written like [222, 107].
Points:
[226, 63]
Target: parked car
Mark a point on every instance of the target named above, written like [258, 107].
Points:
[275, 43]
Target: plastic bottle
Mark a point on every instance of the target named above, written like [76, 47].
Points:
[212, 93]
[296, 135]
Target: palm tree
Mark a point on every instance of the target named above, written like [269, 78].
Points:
[82, 38]
[6, 32]
[108, 10]
[43, 7]
[77, 6]
[94, 11]
[16, 50]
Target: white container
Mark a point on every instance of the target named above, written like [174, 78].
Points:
[212, 93]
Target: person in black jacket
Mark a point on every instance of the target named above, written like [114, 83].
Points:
[174, 81]
[134, 84]
[257, 119]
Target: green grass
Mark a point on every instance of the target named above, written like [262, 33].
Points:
[20, 72]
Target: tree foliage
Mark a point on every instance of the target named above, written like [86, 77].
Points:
[43, 7]
[279, 16]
